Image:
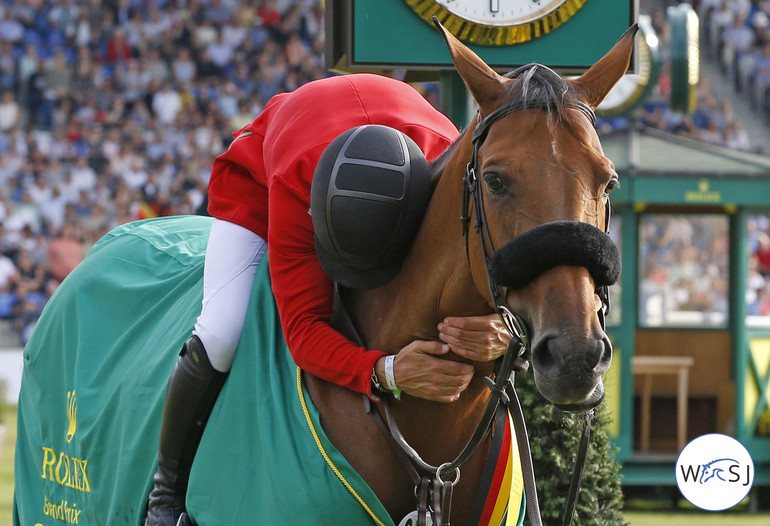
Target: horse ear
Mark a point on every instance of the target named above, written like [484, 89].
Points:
[485, 85]
[602, 76]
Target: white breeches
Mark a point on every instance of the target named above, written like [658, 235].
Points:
[232, 257]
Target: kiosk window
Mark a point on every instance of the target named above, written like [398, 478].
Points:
[758, 276]
[684, 268]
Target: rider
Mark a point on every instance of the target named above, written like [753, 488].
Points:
[259, 195]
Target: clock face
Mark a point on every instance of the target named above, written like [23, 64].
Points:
[498, 22]
[501, 12]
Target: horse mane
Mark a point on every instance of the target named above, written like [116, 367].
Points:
[540, 87]
[438, 165]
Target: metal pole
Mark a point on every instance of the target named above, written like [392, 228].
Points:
[455, 102]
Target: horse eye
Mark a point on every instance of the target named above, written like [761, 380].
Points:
[495, 183]
[614, 183]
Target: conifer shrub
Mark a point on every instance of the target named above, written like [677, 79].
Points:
[554, 437]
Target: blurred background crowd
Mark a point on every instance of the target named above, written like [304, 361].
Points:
[735, 36]
[113, 111]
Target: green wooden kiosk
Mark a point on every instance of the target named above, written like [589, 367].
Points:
[698, 192]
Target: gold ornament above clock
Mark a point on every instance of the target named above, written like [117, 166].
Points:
[497, 22]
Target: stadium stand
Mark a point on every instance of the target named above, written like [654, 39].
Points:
[112, 111]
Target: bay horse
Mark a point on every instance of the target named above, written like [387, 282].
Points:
[528, 175]
[541, 163]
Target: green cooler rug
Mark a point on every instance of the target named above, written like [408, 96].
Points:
[95, 374]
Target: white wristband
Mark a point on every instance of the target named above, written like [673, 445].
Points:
[390, 378]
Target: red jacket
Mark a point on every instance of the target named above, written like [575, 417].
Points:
[262, 182]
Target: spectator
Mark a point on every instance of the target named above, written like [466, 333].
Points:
[166, 104]
[762, 76]
[65, 252]
[10, 112]
[11, 30]
[7, 271]
[41, 193]
[156, 67]
[26, 310]
[28, 272]
[28, 64]
[8, 68]
[183, 67]
[234, 32]
[52, 209]
[269, 14]
[205, 34]
[134, 31]
[24, 213]
[738, 39]
[220, 53]
[135, 176]
[58, 77]
[83, 176]
[7, 300]
[118, 49]
[736, 137]
[154, 26]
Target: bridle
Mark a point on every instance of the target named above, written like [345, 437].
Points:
[503, 390]
[434, 491]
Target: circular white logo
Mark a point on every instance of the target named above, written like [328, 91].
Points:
[714, 472]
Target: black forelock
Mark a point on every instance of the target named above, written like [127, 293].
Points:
[539, 86]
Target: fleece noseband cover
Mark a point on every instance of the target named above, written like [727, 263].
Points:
[550, 245]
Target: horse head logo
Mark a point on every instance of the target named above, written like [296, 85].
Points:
[710, 470]
[72, 416]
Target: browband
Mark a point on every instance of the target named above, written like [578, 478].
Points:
[482, 128]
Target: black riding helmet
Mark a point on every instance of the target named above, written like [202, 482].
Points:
[369, 193]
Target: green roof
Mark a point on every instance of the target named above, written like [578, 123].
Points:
[648, 151]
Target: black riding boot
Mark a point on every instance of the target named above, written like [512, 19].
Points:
[192, 391]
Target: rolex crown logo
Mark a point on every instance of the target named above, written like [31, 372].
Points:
[72, 416]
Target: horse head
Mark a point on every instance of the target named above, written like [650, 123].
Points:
[544, 183]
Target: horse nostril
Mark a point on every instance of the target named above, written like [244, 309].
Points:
[552, 353]
[605, 356]
[543, 358]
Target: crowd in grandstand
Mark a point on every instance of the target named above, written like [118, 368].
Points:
[737, 35]
[112, 111]
[726, 26]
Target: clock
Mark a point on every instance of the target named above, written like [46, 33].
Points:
[497, 22]
[685, 57]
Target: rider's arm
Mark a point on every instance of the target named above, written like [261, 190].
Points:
[304, 295]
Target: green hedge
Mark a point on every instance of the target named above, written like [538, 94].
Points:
[554, 437]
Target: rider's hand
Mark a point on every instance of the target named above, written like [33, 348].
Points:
[421, 370]
[477, 338]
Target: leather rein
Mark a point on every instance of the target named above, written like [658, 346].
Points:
[434, 490]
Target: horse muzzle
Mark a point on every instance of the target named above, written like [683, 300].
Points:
[568, 369]
[570, 350]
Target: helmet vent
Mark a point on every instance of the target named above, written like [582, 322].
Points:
[370, 180]
[379, 146]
